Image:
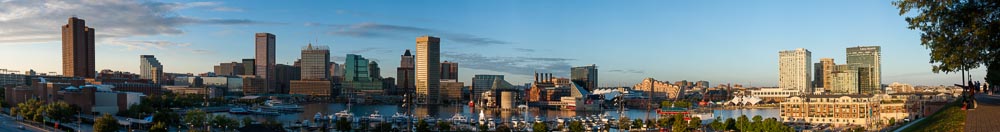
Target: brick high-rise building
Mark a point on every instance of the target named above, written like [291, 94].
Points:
[264, 60]
[78, 49]
[404, 74]
[449, 70]
[315, 63]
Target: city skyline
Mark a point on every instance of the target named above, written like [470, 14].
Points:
[223, 30]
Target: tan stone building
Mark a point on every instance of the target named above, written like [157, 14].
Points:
[662, 90]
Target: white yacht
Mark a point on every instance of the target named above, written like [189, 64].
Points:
[344, 114]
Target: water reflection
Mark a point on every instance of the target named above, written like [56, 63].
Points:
[447, 111]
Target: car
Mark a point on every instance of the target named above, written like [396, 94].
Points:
[20, 127]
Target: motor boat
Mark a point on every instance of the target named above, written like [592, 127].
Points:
[458, 118]
[538, 119]
[344, 114]
[319, 116]
[400, 117]
[238, 110]
[375, 117]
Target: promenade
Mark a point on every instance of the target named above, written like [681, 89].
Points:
[986, 117]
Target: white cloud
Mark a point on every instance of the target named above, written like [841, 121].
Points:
[33, 21]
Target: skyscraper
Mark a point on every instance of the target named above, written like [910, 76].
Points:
[358, 77]
[231, 69]
[794, 70]
[150, 68]
[867, 60]
[336, 70]
[315, 63]
[586, 76]
[404, 74]
[78, 49]
[823, 71]
[449, 70]
[428, 64]
[248, 67]
[374, 71]
[264, 60]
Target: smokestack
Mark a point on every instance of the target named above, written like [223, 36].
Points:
[536, 77]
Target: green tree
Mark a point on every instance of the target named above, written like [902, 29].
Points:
[576, 126]
[624, 123]
[224, 122]
[961, 34]
[343, 124]
[30, 110]
[637, 123]
[384, 127]
[539, 127]
[503, 128]
[422, 126]
[742, 123]
[247, 121]
[892, 121]
[444, 126]
[695, 123]
[158, 127]
[167, 116]
[106, 123]
[483, 128]
[730, 124]
[196, 117]
[60, 111]
[717, 125]
[678, 124]
[757, 123]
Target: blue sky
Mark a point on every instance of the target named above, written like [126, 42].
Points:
[717, 41]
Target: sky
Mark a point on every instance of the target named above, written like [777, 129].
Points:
[717, 41]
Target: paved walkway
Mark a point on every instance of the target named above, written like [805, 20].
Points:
[986, 117]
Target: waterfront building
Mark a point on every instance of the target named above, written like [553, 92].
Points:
[404, 74]
[897, 87]
[537, 91]
[659, 90]
[358, 79]
[78, 49]
[150, 68]
[428, 66]
[264, 63]
[835, 110]
[844, 80]
[483, 83]
[451, 90]
[374, 71]
[12, 78]
[867, 59]
[773, 95]
[585, 76]
[823, 71]
[449, 70]
[314, 72]
[311, 87]
[253, 85]
[794, 70]
[231, 69]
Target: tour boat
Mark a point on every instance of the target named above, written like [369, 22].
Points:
[344, 114]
